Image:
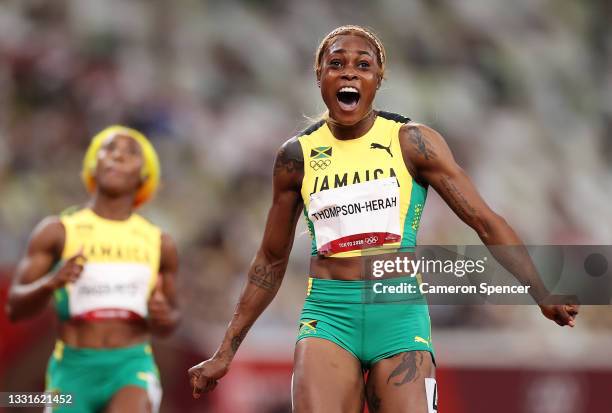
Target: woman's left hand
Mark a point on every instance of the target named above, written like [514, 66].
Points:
[162, 316]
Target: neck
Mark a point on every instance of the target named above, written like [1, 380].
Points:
[345, 132]
[117, 208]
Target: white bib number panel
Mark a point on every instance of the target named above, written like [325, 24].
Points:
[356, 217]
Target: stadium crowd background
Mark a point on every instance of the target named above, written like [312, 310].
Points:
[521, 90]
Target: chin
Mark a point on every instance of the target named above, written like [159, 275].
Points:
[116, 188]
[348, 118]
[112, 191]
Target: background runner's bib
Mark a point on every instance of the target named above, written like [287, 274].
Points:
[121, 269]
[347, 173]
[354, 217]
[110, 290]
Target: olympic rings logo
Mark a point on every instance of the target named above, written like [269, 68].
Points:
[320, 164]
[371, 240]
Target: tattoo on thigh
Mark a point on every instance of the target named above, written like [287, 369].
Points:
[408, 367]
[373, 399]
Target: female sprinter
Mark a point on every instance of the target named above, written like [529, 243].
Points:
[111, 274]
[361, 177]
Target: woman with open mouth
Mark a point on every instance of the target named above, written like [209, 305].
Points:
[360, 176]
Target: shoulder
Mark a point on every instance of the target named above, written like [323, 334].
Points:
[413, 130]
[167, 241]
[291, 149]
[421, 141]
[395, 117]
[314, 135]
[146, 223]
[50, 226]
[169, 252]
[72, 211]
[424, 150]
[312, 128]
[73, 214]
[49, 234]
[289, 163]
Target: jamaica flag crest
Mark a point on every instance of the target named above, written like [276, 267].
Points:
[321, 152]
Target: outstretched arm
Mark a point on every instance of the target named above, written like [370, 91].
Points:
[267, 269]
[430, 161]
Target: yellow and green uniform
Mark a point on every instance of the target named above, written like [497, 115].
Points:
[117, 279]
[360, 199]
[331, 163]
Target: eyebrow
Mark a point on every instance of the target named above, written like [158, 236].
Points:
[133, 143]
[344, 51]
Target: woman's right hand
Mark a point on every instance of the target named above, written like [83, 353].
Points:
[69, 272]
[204, 376]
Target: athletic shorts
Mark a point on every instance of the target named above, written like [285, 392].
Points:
[93, 376]
[371, 319]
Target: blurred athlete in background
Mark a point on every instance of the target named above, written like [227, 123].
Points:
[361, 176]
[111, 274]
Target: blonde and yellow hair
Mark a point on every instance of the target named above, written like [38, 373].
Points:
[150, 169]
[366, 33]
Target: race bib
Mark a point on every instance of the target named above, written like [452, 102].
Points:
[355, 217]
[110, 290]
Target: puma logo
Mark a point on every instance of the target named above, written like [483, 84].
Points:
[379, 146]
[418, 339]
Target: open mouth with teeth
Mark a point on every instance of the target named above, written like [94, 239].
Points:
[348, 98]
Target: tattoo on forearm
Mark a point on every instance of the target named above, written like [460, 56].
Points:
[289, 160]
[237, 340]
[456, 199]
[408, 367]
[266, 277]
[423, 147]
[373, 399]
